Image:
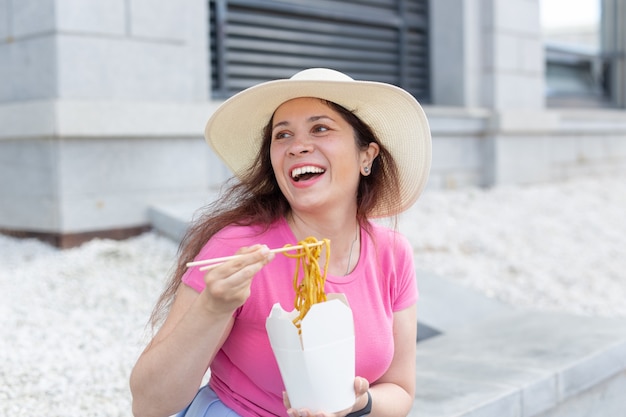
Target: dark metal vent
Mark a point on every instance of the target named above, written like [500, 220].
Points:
[380, 40]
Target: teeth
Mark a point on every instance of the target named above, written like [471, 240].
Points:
[306, 170]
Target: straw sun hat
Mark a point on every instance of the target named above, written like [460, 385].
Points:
[234, 131]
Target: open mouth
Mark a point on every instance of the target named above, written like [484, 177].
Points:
[306, 173]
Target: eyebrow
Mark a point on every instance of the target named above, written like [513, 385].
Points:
[310, 120]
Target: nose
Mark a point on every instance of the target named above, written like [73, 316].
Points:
[300, 144]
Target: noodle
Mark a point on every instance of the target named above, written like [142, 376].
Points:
[310, 290]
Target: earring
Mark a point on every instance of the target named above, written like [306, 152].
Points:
[366, 170]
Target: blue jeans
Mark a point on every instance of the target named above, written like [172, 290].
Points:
[207, 404]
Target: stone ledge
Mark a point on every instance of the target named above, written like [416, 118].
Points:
[102, 118]
[172, 218]
[521, 364]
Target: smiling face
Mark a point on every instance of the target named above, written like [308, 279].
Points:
[315, 156]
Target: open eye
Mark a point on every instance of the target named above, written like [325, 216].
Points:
[320, 129]
[281, 135]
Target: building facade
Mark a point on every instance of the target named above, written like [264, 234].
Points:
[103, 103]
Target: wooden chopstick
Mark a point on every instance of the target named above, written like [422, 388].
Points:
[206, 264]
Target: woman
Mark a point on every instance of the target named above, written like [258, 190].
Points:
[316, 155]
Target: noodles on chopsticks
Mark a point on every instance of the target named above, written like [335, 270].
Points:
[310, 289]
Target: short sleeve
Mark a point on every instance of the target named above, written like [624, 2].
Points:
[405, 292]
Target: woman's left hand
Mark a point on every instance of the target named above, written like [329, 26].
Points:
[361, 386]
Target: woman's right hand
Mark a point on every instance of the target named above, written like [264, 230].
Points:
[199, 335]
[228, 284]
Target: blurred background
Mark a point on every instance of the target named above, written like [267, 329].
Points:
[103, 103]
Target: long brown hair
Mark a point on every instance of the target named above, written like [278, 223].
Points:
[255, 198]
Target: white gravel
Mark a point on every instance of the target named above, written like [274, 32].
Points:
[72, 322]
[551, 247]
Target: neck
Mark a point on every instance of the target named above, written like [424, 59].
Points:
[344, 235]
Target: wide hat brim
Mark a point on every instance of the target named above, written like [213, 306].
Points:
[235, 130]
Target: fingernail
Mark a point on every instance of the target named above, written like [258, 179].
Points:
[266, 251]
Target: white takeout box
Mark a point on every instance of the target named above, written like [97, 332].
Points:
[318, 366]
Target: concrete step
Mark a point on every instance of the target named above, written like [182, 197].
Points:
[525, 364]
[446, 306]
[171, 218]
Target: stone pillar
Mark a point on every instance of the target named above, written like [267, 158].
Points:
[455, 53]
[487, 53]
[513, 57]
[613, 45]
[102, 109]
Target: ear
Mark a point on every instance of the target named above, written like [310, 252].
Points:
[367, 157]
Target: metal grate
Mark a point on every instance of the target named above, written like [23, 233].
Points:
[380, 40]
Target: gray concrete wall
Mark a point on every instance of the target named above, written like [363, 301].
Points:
[555, 145]
[102, 109]
[76, 185]
[103, 105]
[479, 147]
[140, 50]
[490, 125]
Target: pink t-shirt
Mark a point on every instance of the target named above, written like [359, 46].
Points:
[244, 373]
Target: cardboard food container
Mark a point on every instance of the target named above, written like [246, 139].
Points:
[317, 366]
